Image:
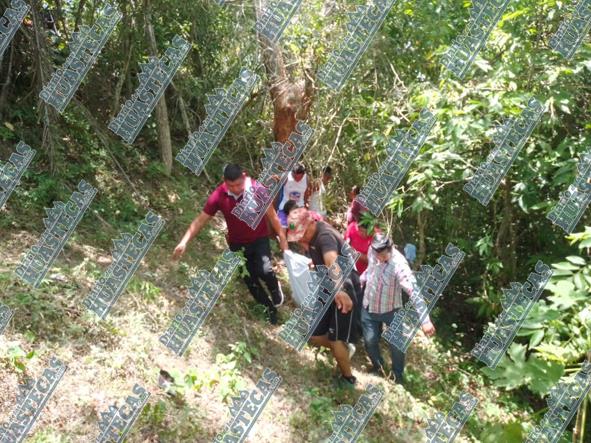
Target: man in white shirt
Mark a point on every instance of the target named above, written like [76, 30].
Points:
[296, 188]
[318, 190]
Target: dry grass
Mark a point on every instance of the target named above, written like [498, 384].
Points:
[106, 358]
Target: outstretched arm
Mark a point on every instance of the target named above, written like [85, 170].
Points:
[193, 230]
[408, 283]
[274, 221]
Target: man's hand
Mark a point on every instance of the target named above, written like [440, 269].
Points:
[428, 329]
[343, 301]
[283, 241]
[179, 250]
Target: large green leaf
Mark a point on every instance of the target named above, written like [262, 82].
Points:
[514, 370]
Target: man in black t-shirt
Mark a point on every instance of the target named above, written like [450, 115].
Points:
[335, 330]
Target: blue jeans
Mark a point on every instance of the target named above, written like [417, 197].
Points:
[372, 332]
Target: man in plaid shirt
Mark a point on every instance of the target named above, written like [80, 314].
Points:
[387, 274]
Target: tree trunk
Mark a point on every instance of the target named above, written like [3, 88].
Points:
[126, 48]
[505, 243]
[60, 15]
[43, 71]
[422, 227]
[161, 108]
[7, 82]
[289, 98]
[79, 14]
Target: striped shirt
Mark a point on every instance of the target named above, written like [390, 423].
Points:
[385, 282]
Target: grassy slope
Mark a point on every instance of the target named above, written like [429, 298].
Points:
[105, 359]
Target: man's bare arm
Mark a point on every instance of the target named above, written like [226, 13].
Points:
[193, 230]
[342, 299]
[274, 221]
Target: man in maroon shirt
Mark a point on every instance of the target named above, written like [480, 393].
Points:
[254, 242]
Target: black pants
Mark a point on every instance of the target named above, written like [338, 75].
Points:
[258, 265]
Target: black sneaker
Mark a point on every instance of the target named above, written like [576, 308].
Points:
[272, 316]
[352, 379]
[278, 297]
[166, 382]
[346, 382]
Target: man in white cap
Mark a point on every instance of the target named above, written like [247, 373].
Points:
[335, 330]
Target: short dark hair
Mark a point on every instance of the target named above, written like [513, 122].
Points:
[327, 170]
[289, 206]
[232, 171]
[356, 189]
[299, 168]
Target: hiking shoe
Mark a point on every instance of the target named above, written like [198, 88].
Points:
[347, 382]
[166, 382]
[278, 297]
[352, 350]
[272, 317]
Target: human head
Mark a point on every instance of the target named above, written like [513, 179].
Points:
[300, 226]
[326, 175]
[298, 171]
[355, 190]
[382, 246]
[289, 206]
[234, 178]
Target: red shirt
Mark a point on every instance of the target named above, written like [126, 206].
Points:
[238, 231]
[359, 242]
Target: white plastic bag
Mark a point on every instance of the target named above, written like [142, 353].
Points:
[299, 274]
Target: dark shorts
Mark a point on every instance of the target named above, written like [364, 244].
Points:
[335, 324]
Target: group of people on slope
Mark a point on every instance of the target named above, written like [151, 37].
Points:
[370, 295]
